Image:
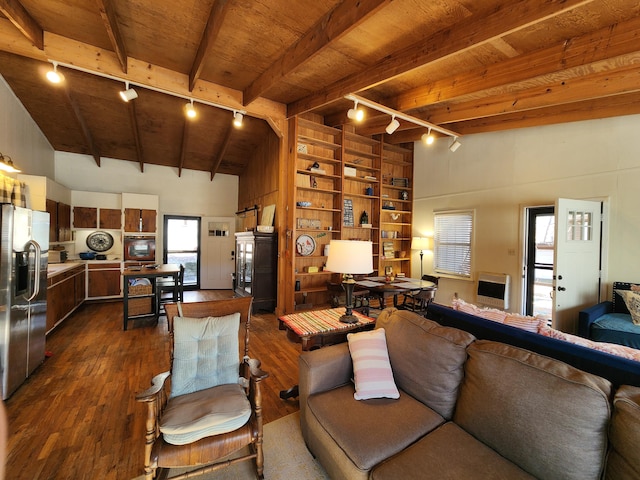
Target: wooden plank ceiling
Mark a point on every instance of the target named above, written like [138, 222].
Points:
[467, 65]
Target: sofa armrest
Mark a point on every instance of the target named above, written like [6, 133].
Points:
[589, 315]
[324, 369]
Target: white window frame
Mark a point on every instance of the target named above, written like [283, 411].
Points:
[453, 238]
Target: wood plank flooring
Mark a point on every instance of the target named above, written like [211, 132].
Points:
[76, 417]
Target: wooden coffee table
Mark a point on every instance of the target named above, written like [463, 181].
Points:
[319, 328]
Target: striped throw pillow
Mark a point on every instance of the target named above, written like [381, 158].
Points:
[372, 373]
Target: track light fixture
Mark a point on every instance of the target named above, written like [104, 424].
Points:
[455, 144]
[355, 113]
[237, 119]
[52, 75]
[393, 125]
[190, 110]
[428, 138]
[6, 164]
[128, 94]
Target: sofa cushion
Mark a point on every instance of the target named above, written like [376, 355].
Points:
[544, 415]
[623, 461]
[632, 301]
[368, 431]
[448, 453]
[372, 373]
[427, 359]
[616, 328]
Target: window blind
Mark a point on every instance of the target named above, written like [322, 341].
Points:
[452, 242]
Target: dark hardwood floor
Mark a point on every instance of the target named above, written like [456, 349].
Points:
[76, 417]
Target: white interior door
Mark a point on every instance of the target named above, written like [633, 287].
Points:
[218, 253]
[577, 266]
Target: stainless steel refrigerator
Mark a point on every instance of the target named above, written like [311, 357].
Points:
[24, 245]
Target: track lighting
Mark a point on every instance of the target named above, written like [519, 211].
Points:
[53, 76]
[237, 119]
[355, 113]
[190, 110]
[6, 164]
[128, 93]
[428, 138]
[455, 144]
[393, 126]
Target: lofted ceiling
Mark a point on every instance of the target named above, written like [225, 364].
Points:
[468, 66]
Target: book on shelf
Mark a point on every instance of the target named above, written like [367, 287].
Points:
[321, 171]
[369, 177]
[366, 225]
[387, 250]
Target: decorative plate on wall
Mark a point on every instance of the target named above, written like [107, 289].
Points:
[100, 241]
[305, 245]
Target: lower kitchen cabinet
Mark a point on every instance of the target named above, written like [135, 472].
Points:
[65, 292]
[104, 280]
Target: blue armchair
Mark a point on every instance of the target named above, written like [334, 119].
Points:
[610, 321]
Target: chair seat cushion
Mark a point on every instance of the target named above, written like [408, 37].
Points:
[616, 328]
[213, 411]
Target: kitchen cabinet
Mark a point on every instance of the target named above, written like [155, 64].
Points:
[139, 220]
[85, 217]
[103, 279]
[52, 210]
[65, 292]
[110, 218]
[257, 268]
[59, 221]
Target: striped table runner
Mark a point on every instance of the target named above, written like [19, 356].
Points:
[322, 321]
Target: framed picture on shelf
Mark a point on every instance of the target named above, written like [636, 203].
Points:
[348, 213]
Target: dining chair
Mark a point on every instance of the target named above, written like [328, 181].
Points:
[213, 405]
[419, 300]
[166, 285]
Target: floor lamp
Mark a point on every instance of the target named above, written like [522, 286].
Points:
[350, 257]
[421, 243]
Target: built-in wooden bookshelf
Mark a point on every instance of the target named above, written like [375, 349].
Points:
[340, 175]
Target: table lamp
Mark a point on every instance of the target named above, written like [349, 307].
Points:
[350, 257]
[421, 243]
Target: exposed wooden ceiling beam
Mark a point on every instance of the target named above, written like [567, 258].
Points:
[108, 13]
[346, 16]
[23, 21]
[219, 10]
[467, 34]
[613, 41]
[86, 132]
[217, 160]
[183, 146]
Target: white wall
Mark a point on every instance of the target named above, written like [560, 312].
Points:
[20, 137]
[499, 173]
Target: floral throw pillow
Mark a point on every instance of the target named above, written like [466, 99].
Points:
[632, 301]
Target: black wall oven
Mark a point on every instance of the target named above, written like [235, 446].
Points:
[140, 249]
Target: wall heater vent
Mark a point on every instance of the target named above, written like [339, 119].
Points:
[493, 290]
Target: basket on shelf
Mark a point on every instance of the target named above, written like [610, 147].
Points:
[140, 306]
[140, 290]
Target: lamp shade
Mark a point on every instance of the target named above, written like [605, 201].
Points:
[350, 256]
[421, 243]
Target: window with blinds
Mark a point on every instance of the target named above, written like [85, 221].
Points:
[453, 233]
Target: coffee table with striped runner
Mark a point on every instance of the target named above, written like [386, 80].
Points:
[319, 328]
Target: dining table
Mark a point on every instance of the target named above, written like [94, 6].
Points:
[384, 287]
[147, 296]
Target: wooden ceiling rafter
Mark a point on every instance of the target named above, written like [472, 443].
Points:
[86, 132]
[183, 146]
[23, 21]
[604, 44]
[336, 23]
[131, 107]
[475, 30]
[217, 160]
[217, 14]
[110, 20]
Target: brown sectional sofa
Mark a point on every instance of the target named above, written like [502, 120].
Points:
[467, 409]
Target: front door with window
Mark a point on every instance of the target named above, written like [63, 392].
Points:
[218, 253]
[182, 246]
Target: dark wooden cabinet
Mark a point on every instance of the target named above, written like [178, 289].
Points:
[111, 218]
[257, 268]
[104, 280]
[52, 209]
[85, 217]
[65, 292]
[59, 221]
[139, 220]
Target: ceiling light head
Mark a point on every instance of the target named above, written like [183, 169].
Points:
[6, 164]
[428, 138]
[237, 119]
[355, 113]
[393, 125]
[128, 94]
[52, 75]
[455, 144]
[190, 110]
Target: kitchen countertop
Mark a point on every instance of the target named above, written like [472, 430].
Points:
[56, 268]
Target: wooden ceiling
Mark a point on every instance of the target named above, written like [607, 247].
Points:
[467, 65]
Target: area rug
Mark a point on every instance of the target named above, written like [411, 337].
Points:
[285, 456]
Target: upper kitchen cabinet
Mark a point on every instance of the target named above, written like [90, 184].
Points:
[59, 221]
[137, 220]
[85, 217]
[110, 218]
